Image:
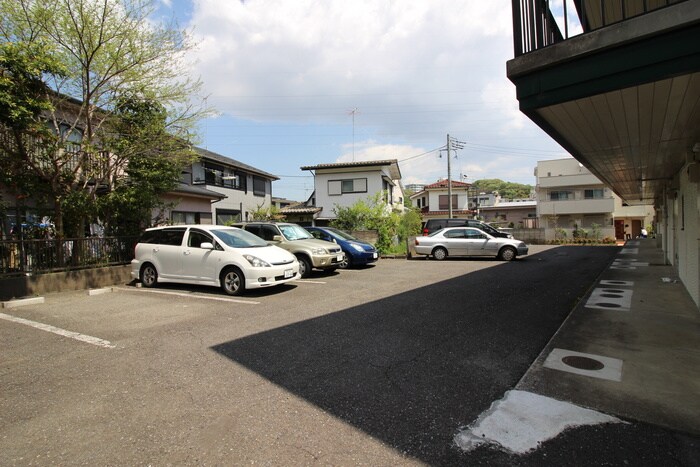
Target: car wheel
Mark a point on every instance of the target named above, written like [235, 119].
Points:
[232, 281]
[346, 263]
[439, 253]
[507, 253]
[149, 275]
[304, 266]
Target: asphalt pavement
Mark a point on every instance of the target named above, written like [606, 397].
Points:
[379, 366]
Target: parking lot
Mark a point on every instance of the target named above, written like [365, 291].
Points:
[380, 365]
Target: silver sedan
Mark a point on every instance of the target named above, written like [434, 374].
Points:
[468, 241]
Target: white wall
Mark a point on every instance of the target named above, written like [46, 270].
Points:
[328, 202]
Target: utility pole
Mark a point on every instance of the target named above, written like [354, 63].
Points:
[457, 145]
[449, 178]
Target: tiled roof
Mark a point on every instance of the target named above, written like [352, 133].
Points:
[227, 160]
[443, 184]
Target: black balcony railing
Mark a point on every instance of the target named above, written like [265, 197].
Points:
[21, 257]
[541, 23]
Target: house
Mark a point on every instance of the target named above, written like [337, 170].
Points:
[344, 184]
[519, 214]
[241, 189]
[433, 201]
[617, 84]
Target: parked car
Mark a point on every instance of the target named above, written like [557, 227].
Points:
[468, 241]
[226, 257]
[357, 252]
[436, 224]
[309, 251]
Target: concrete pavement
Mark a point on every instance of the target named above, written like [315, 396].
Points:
[631, 348]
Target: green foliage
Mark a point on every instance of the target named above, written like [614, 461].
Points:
[507, 190]
[271, 213]
[112, 76]
[23, 93]
[409, 224]
[373, 213]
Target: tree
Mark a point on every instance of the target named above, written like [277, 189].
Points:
[373, 214]
[507, 190]
[111, 53]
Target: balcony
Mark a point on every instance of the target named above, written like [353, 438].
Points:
[541, 23]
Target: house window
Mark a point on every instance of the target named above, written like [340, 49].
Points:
[443, 202]
[560, 195]
[593, 194]
[259, 186]
[181, 217]
[351, 185]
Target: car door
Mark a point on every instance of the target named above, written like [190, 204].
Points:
[200, 264]
[456, 242]
[477, 242]
[166, 252]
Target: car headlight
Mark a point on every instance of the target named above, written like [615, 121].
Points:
[357, 247]
[256, 262]
[319, 251]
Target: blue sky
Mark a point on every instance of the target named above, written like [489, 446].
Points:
[306, 82]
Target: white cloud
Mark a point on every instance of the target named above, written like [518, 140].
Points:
[414, 70]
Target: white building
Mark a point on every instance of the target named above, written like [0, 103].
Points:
[344, 184]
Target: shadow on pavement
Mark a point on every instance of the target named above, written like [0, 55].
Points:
[411, 369]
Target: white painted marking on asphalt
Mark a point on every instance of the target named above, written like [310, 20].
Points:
[61, 332]
[522, 420]
[191, 295]
[611, 371]
[616, 283]
[610, 298]
[307, 281]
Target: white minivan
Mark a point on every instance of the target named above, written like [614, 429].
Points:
[226, 257]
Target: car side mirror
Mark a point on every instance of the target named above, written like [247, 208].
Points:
[207, 245]
[277, 238]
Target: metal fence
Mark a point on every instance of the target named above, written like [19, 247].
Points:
[541, 23]
[21, 257]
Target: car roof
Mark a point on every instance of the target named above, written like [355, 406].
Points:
[187, 226]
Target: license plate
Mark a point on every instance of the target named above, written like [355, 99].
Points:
[374, 255]
[288, 273]
[339, 258]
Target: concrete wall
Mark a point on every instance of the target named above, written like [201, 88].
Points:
[28, 286]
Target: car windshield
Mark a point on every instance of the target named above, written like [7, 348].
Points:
[343, 235]
[237, 238]
[294, 232]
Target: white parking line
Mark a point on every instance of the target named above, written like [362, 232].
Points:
[61, 332]
[307, 281]
[189, 295]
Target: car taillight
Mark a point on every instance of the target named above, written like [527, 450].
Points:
[425, 232]
[416, 240]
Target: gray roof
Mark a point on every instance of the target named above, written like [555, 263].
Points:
[392, 163]
[194, 190]
[205, 153]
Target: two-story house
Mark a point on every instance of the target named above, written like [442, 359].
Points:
[617, 84]
[434, 201]
[344, 184]
[243, 188]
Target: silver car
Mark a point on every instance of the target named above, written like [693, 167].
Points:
[468, 241]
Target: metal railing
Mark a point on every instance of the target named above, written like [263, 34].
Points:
[21, 257]
[541, 23]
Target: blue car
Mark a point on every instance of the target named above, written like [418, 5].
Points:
[357, 252]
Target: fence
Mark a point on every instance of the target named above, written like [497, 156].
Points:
[21, 257]
[541, 23]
